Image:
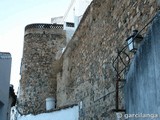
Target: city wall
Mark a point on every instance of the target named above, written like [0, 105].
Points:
[87, 75]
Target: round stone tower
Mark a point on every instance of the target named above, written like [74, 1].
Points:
[43, 44]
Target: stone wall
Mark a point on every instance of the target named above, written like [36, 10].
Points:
[87, 76]
[42, 45]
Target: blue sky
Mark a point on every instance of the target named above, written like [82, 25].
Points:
[14, 16]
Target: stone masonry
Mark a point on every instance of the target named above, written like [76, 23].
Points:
[87, 76]
[42, 46]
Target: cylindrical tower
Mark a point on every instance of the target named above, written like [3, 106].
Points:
[42, 45]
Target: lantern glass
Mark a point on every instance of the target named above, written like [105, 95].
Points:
[130, 44]
[133, 45]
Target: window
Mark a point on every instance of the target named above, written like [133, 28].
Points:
[69, 24]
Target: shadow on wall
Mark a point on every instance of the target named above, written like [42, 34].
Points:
[1, 106]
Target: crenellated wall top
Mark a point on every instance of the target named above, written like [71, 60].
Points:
[43, 27]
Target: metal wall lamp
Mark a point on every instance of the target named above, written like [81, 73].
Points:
[134, 41]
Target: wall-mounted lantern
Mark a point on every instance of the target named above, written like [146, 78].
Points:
[134, 41]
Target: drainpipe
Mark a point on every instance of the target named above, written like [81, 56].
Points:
[117, 94]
